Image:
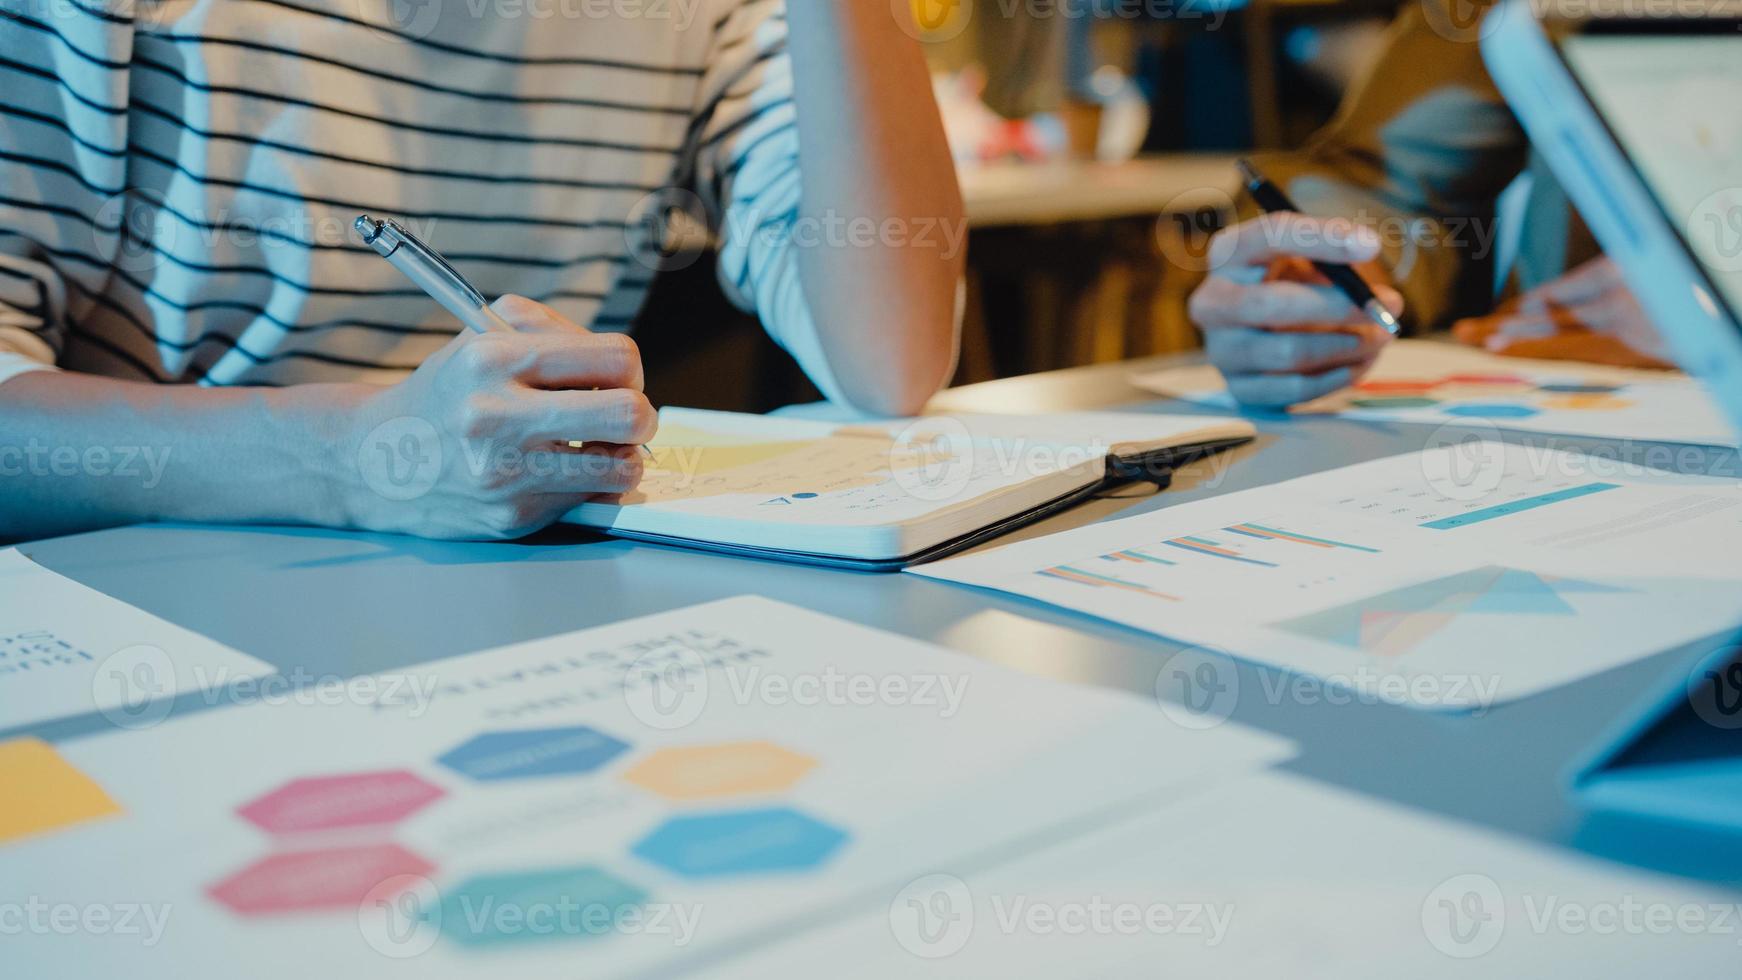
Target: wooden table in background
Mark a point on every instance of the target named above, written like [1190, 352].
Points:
[1079, 262]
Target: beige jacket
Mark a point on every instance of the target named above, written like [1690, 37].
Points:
[1421, 149]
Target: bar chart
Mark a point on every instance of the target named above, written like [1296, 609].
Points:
[1165, 569]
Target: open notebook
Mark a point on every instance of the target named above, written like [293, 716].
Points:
[889, 494]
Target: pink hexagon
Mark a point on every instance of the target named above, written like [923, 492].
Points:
[364, 799]
[301, 881]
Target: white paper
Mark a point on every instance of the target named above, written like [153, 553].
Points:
[1275, 876]
[69, 650]
[1438, 383]
[1457, 577]
[920, 758]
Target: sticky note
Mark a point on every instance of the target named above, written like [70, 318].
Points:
[40, 791]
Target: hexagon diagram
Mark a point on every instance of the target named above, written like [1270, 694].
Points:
[705, 772]
[301, 881]
[531, 906]
[742, 842]
[532, 752]
[363, 799]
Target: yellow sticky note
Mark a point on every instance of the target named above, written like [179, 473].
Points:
[40, 791]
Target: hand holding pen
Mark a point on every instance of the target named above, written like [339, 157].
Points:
[1348, 282]
[427, 270]
[1285, 316]
[509, 426]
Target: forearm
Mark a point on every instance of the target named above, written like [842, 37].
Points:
[79, 452]
[874, 157]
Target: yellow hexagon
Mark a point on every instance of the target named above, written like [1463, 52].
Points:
[707, 772]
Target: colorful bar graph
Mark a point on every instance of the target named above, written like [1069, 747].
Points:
[1070, 573]
[1106, 569]
[1204, 546]
[1273, 534]
[1518, 506]
[1133, 555]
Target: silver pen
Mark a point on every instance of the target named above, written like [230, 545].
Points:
[426, 268]
[431, 273]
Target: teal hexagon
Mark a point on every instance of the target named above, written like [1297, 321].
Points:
[582, 902]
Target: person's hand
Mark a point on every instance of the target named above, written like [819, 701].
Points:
[1586, 315]
[1276, 329]
[475, 444]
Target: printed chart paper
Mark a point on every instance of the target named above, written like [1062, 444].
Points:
[1438, 383]
[641, 799]
[1453, 578]
[1272, 875]
[69, 650]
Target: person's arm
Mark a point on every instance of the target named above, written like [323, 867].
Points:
[872, 145]
[79, 451]
[467, 447]
[842, 224]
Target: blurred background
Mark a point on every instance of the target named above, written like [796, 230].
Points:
[1094, 141]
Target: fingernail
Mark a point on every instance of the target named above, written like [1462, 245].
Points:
[1366, 242]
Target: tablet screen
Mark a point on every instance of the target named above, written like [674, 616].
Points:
[1672, 101]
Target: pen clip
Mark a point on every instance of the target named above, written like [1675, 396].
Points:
[387, 236]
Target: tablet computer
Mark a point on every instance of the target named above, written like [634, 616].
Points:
[1677, 757]
[1634, 106]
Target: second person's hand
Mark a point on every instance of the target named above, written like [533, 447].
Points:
[1276, 329]
[1588, 314]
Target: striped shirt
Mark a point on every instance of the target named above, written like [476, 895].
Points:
[178, 178]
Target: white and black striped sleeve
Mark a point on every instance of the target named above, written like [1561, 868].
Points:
[747, 166]
[63, 151]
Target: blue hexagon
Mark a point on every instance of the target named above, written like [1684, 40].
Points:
[741, 842]
[532, 906]
[1495, 410]
[532, 752]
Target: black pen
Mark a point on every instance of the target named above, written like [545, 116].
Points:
[1271, 198]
